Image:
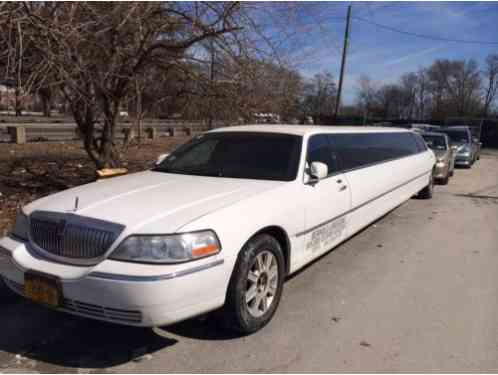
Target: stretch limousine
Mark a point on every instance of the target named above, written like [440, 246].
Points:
[217, 224]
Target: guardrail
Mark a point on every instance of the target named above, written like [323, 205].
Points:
[21, 133]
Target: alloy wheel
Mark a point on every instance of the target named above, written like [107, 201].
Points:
[262, 283]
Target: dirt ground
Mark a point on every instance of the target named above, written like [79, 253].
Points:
[31, 171]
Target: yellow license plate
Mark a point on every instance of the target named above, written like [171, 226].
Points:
[42, 289]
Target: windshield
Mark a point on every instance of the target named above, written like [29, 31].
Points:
[262, 156]
[435, 142]
[458, 136]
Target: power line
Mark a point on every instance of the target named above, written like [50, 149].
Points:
[375, 9]
[432, 37]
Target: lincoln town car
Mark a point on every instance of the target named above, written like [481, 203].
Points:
[217, 225]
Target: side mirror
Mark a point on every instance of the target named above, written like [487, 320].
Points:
[161, 158]
[317, 171]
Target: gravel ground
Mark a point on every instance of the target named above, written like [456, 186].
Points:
[414, 292]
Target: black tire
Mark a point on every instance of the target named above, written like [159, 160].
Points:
[444, 181]
[426, 193]
[236, 312]
[452, 172]
[5, 292]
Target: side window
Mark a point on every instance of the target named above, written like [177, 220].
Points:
[405, 143]
[319, 150]
[420, 142]
[362, 149]
[349, 149]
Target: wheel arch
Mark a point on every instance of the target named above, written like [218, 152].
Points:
[283, 239]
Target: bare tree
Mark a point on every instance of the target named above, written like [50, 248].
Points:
[491, 76]
[320, 96]
[408, 88]
[366, 95]
[94, 52]
[422, 97]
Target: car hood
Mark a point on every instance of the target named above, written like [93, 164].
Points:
[458, 144]
[152, 202]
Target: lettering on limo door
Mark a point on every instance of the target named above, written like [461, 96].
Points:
[326, 235]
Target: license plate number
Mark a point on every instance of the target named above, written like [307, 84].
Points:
[42, 289]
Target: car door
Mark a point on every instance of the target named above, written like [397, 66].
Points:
[326, 201]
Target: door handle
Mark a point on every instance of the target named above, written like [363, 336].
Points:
[339, 181]
[343, 187]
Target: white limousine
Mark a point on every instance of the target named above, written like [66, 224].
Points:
[218, 224]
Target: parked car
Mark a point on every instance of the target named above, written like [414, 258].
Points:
[218, 223]
[463, 144]
[445, 157]
[421, 128]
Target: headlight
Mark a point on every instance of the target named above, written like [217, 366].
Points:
[21, 226]
[173, 248]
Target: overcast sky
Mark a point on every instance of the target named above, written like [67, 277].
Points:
[385, 55]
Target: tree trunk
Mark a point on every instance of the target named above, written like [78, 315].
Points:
[17, 103]
[45, 97]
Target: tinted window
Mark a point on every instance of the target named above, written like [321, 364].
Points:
[435, 142]
[319, 150]
[458, 136]
[420, 143]
[264, 156]
[357, 150]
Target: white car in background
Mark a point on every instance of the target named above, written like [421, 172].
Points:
[219, 223]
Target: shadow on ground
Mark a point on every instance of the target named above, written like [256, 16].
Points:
[52, 338]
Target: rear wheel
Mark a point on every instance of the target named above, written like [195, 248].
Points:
[445, 180]
[426, 193]
[5, 292]
[256, 285]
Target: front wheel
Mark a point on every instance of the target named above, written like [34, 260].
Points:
[256, 285]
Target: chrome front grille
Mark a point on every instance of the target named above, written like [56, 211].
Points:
[69, 235]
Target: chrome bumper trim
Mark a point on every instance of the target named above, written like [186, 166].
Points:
[168, 276]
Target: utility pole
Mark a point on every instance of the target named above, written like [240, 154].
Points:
[211, 85]
[343, 62]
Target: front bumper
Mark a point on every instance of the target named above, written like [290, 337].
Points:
[122, 292]
[464, 160]
[441, 171]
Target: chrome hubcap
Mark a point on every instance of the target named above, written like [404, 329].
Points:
[262, 283]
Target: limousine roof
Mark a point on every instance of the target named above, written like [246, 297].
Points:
[309, 129]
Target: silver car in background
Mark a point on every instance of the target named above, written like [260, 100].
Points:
[463, 144]
[439, 143]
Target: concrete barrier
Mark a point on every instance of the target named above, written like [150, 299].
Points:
[32, 132]
[17, 134]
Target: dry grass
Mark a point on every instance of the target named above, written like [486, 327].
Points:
[31, 171]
